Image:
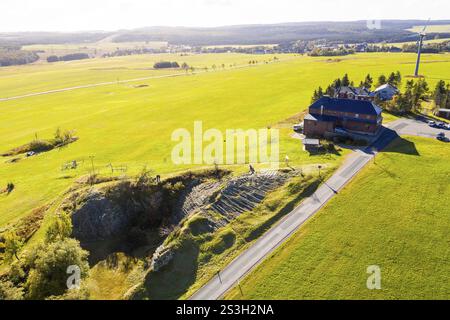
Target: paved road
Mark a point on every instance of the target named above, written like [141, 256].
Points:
[273, 238]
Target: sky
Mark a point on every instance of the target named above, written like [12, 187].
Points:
[108, 15]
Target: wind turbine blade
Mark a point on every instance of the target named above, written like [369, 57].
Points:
[426, 25]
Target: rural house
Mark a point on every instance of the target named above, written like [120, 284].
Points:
[353, 93]
[385, 92]
[355, 116]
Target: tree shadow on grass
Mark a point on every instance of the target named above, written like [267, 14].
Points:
[177, 277]
[390, 142]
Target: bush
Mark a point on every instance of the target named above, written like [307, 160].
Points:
[10, 187]
[59, 229]
[9, 292]
[48, 265]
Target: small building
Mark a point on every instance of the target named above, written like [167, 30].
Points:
[385, 92]
[355, 116]
[444, 113]
[311, 145]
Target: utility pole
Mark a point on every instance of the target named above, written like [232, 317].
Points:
[92, 169]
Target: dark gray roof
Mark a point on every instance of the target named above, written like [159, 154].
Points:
[346, 105]
[355, 91]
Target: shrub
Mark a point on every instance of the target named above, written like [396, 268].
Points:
[10, 187]
[48, 265]
[9, 292]
[59, 229]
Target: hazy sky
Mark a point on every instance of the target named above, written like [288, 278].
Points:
[72, 15]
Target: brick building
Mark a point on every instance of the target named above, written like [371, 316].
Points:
[356, 116]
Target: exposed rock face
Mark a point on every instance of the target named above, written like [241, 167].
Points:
[100, 218]
[111, 211]
[105, 214]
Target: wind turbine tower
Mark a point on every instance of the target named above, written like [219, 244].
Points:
[422, 35]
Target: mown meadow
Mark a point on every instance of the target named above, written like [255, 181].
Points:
[131, 124]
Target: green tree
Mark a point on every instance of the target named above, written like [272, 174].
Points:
[48, 265]
[381, 80]
[419, 93]
[368, 82]
[317, 95]
[330, 91]
[12, 245]
[10, 292]
[398, 78]
[59, 229]
[337, 84]
[392, 80]
[345, 81]
[440, 94]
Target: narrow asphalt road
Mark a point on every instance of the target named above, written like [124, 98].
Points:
[273, 238]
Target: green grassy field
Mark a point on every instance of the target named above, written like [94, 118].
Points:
[394, 215]
[39, 77]
[444, 28]
[401, 44]
[125, 125]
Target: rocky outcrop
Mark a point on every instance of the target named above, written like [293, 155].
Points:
[100, 218]
[110, 211]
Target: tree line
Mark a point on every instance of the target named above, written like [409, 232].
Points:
[14, 56]
[68, 57]
[166, 64]
[326, 52]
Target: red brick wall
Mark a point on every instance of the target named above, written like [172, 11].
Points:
[317, 128]
[359, 127]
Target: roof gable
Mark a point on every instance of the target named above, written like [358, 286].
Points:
[386, 86]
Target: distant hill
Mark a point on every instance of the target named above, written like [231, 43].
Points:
[347, 32]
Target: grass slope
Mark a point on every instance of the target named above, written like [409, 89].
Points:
[394, 215]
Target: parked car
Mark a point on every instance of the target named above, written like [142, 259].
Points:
[442, 125]
[432, 124]
[441, 137]
[298, 127]
[31, 153]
